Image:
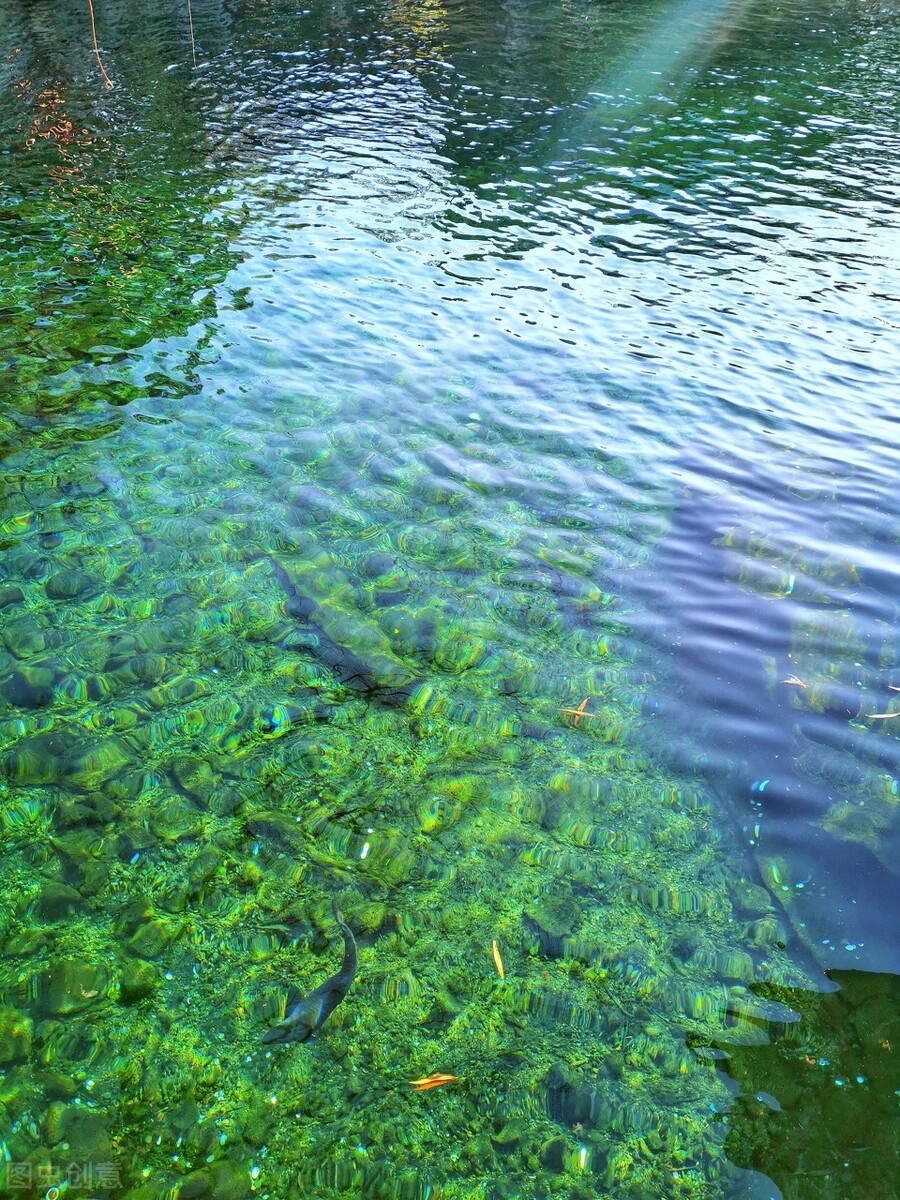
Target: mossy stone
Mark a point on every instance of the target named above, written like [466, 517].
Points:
[24, 639]
[10, 593]
[24, 943]
[54, 1122]
[377, 564]
[277, 829]
[509, 1137]
[28, 689]
[15, 1036]
[196, 777]
[175, 818]
[553, 1154]
[72, 986]
[204, 867]
[153, 937]
[69, 585]
[57, 1085]
[87, 1134]
[222, 1180]
[133, 839]
[137, 981]
[99, 763]
[58, 900]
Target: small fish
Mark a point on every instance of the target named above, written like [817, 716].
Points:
[305, 1014]
[431, 1081]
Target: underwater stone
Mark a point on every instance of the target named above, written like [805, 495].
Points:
[15, 1036]
[196, 777]
[10, 594]
[550, 922]
[221, 1180]
[176, 818]
[750, 897]
[58, 900]
[24, 639]
[175, 898]
[99, 763]
[43, 758]
[69, 585]
[278, 829]
[28, 689]
[57, 1085]
[54, 1122]
[127, 786]
[24, 943]
[768, 931]
[553, 1154]
[377, 564]
[137, 981]
[153, 937]
[72, 986]
[459, 650]
[204, 867]
[509, 1137]
[87, 1134]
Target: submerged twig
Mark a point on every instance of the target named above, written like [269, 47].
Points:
[579, 712]
[106, 79]
[191, 28]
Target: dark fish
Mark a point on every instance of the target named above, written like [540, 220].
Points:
[305, 1014]
[348, 668]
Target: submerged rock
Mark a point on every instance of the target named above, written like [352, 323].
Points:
[153, 937]
[137, 981]
[10, 594]
[58, 755]
[69, 585]
[15, 1036]
[72, 986]
[221, 1180]
[58, 900]
[28, 689]
[24, 638]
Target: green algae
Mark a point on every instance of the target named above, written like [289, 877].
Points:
[232, 763]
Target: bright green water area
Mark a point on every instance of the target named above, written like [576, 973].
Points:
[340, 431]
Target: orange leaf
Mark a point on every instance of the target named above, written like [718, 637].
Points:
[498, 961]
[431, 1081]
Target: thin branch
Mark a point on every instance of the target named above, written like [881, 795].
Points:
[191, 27]
[106, 79]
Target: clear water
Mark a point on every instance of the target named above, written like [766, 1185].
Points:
[375, 390]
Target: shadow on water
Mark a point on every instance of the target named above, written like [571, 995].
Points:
[732, 715]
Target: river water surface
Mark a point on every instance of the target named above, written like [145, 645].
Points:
[450, 460]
